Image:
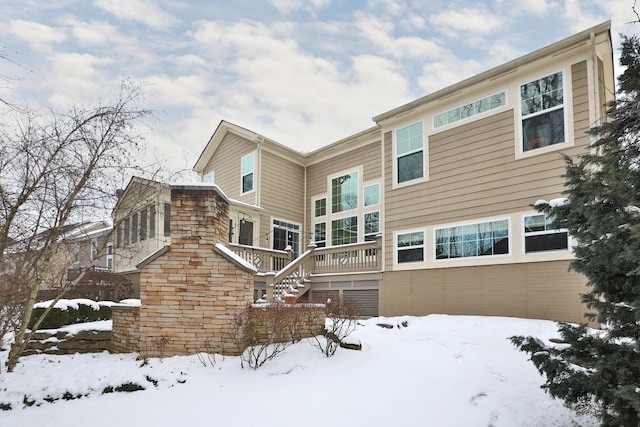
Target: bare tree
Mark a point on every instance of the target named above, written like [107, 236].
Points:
[56, 171]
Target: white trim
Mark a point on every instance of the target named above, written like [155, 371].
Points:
[371, 184]
[566, 106]
[425, 156]
[472, 117]
[524, 234]
[254, 181]
[474, 222]
[409, 265]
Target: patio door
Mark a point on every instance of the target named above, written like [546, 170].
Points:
[286, 234]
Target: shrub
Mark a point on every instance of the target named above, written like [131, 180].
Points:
[69, 315]
[342, 315]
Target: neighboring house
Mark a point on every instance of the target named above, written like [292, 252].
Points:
[92, 246]
[447, 180]
[78, 246]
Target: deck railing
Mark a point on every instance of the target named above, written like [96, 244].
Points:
[263, 259]
[293, 277]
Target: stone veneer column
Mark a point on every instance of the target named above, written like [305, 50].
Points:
[190, 294]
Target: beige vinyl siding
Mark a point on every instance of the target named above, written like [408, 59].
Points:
[473, 172]
[368, 156]
[281, 192]
[534, 290]
[226, 165]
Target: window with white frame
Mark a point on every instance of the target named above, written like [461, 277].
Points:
[320, 234]
[540, 235]
[410, 153]
[344, 231]
[109, 256]
[472, 240]
[320, 207]
[410, 247]
[371, 225]
[542, 112]
[247, 173]
[371, 195]
[471, 109]
[344, 193]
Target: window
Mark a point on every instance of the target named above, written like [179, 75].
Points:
[109, 256]
[410, 247]
[372, 195]
[320, 234]
[119, 236]
[167, 219]
[320, 207]
[125, 238]
[540, 235]
[473, 240]
[286, 234]
[371, 225]
[246, 233]
[247, 173]
[143, 224]
[152, 221]
[410, 153]
[209, 178]
[471, 109]
[542, 111]
[134, 228]
[344, 231]
[344, 193]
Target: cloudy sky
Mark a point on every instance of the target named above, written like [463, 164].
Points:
[302, 72]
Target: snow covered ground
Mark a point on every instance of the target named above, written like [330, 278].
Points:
[437, 371]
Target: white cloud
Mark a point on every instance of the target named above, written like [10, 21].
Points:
[293, 95]
[94, 33]
[465, 21]
[389, 7]
[40, 37]
[78, 79]
[537, 8]
[379, 32]
[181, 91]
[448, 71]
[288, 6]
[143, 11]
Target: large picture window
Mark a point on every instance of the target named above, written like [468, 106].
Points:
[344, 231]
[410, 152]
[473, 240]
[540, 235]
[542, 111]
[410, 247]
[247, 173]
[344, 193]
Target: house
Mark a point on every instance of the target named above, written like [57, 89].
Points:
[430, 209]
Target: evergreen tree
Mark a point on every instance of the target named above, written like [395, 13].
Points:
[599, 370]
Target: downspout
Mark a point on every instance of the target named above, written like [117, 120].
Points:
[304, 211]
[259, 140]
[596, 83]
